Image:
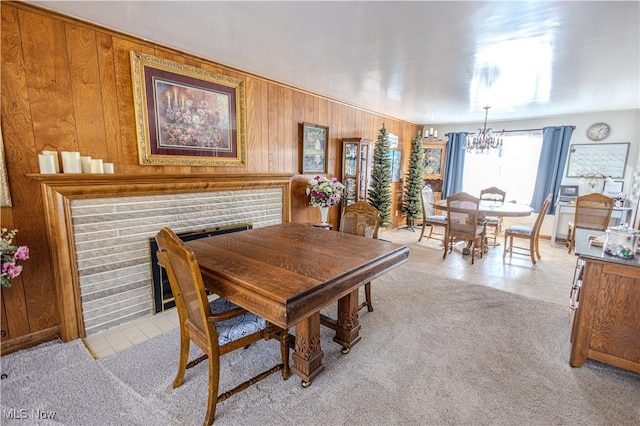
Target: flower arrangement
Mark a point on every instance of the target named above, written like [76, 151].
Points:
[195, 124]
[324, 192]
[11, 256]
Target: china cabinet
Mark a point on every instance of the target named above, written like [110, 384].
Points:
[356, 168]
[433, 166]
[434, 154]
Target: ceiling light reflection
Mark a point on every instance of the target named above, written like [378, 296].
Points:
[512, 71]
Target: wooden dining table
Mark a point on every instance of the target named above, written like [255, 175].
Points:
[492, 208]
[287, 273]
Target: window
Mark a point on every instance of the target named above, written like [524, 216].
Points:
[512, 168]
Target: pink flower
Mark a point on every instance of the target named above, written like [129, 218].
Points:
[11, 270]
[324, 192]
[11, 256]
[22, 253]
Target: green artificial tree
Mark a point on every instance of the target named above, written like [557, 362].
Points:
[412, 203]
[379, 193]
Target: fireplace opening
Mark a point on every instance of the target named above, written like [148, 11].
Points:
[162, 295]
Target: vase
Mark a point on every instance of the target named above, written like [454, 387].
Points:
[324, 213]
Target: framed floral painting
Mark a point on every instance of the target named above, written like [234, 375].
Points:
[314, 143]
[187, 115]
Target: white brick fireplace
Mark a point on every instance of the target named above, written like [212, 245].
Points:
[112, 243]
[99, 228]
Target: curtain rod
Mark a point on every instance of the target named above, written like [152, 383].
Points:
[532, 130]
[514, 131]
[520, 130]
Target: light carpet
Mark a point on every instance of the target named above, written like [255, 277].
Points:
[434, 351]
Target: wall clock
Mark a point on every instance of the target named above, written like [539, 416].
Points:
[598, 131]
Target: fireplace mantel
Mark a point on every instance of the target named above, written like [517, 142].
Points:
[58, 190]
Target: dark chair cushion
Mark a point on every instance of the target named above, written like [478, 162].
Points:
[235, 328]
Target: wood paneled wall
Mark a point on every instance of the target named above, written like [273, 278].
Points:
[66, 86]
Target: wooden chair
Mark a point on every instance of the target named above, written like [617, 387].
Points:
[463, 222]
[593, 211]
[495, 195]
[428, 216]
[361, 218]
[217, 328]
[531, 233]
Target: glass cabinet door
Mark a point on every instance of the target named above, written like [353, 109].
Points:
[350, 160]
[364, 171]
[349, 191]
[355, 169]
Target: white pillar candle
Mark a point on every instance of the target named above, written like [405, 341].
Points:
[47, 163]
[96, 166]
[85, 162]
[108, 168]
[71, 162]
[435, 133]
[55, 159]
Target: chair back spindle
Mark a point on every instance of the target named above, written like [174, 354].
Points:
[361, 219]
[428, 213]
[593, 212]
[185, 280]
[497, 196]
[463, 222]
[532, 234]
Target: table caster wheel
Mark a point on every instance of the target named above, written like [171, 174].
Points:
[345, 350]
[305, 384]
[3, 376]
[466, 251]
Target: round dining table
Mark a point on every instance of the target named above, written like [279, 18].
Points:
[495, 209]
[492, 208]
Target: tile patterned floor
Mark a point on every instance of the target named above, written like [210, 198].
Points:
[125, 336]
[549, 280]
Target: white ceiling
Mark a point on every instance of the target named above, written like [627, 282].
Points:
[421, 61]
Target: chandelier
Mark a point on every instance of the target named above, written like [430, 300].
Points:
[592, 179]
[483, 140]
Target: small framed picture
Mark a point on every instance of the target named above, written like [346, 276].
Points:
[569, 190]
[393, 141]
[613, 186]
[314, 143]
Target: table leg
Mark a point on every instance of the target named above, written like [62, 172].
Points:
[307, 359]
[348, 327]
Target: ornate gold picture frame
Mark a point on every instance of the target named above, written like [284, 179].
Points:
[5, 196]
[187, 115]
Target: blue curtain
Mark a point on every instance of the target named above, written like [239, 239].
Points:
[555, 148]
[452, 182]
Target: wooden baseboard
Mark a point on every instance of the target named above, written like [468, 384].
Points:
[28, 340]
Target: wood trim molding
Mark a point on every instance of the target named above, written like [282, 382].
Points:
[59, 189]
[28, 340]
